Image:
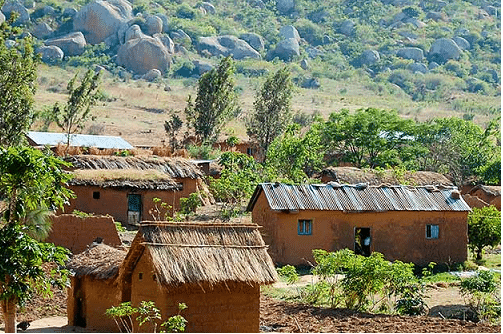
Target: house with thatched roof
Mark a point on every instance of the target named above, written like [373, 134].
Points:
[124, 187]
[412, 224]
[93, 287]
[353, 175]
[215, 269]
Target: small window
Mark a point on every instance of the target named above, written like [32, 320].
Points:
[431, 231]
[305, 227]
[249, 151]
[96, 194]
[180, 185]
[140, 276]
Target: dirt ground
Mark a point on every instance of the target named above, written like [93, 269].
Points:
[49, 316]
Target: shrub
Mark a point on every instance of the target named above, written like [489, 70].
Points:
[190, 204]
[480, 290]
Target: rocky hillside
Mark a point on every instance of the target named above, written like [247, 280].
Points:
[430, 52]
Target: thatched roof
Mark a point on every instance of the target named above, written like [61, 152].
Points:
[353, 175]
[202, 253]
[122, 179]
[99, 260]
[174, 167]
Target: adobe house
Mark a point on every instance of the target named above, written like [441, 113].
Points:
[124, 187]
[480, 196]
[93, 288]
[411, 224]
[215, 269]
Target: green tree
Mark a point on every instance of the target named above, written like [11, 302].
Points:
[73, 116]
[18, 74]
[295, 157]
[172, 126]
[215, 103]
[456, 146]
[369, 137]
[31, 184]
[484, 229]
[272, 109]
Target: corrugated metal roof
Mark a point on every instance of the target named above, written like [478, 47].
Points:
[53, 139]
[359, 198]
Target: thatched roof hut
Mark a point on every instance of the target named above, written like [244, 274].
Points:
[353, 175]
[174, 167]
[99, 261]
[201, 252]
[124, 179]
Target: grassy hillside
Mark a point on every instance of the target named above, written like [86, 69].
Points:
[468, 87]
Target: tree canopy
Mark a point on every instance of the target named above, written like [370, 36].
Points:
[18, 74]
[215, 103]
[272, 109]
[484, 229]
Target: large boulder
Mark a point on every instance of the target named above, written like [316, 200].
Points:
[417, 67]
[208, 7]
[444, 49]
[256, 41]
[289, 32]
[411, 53]
[369, 57]
[201, 67]
[165, 24]
[152, 75]
[141, 55]
[179, 36]
[436, 16]
[2, 18]
[285, 6]
[347, 28]
[69, 12]
[168, 42]
[42, 31]
[227, 45]
[133, 32]
[461, 42]
[102, 18]
[153, 24]
[16, 6]
[50, 54]
[72, 44]
[285, 50]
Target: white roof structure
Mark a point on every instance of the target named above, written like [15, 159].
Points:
[53, 139]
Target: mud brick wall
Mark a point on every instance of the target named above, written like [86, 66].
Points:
[76, 233]
[399, 235]
[230, 308]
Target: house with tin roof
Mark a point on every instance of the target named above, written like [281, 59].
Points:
[53, 139]
[412, 224]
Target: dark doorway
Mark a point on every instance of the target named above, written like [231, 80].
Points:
[362, 241]
[134, 209]
[80, 312]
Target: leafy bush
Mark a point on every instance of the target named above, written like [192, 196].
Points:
[190, 204]
[480, 290]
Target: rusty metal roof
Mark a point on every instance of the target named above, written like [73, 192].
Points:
[359, 198]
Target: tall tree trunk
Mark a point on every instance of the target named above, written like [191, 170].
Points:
[9, 314]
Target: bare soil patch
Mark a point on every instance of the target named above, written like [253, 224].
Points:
[280, 316]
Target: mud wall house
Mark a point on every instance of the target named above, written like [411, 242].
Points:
[93, 287]
[481, 196]
[216, 269]
[124, 187]
[412, 224]
[76, 233]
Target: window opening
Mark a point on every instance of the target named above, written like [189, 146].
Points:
[140, 276]
[305, 227]
[362, 241]
[96, 194]
[432, 231]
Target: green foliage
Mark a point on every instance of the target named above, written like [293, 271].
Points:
[272, 109]
[369, 283]
[190, 204]
[237, 182]
[147, 313]
[119, 227]
[294, 157]
[215, 102]
[81, 214]
[93, 55]
[21, 272]
[172, 127]
[480, 290]
[232, 141]
[18, 73]
[77, 111]
[484, 229]
[162, 211]
[289, 273]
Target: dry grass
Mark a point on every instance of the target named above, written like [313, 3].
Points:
[103, 175]
[205, 252]
[100, 261]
